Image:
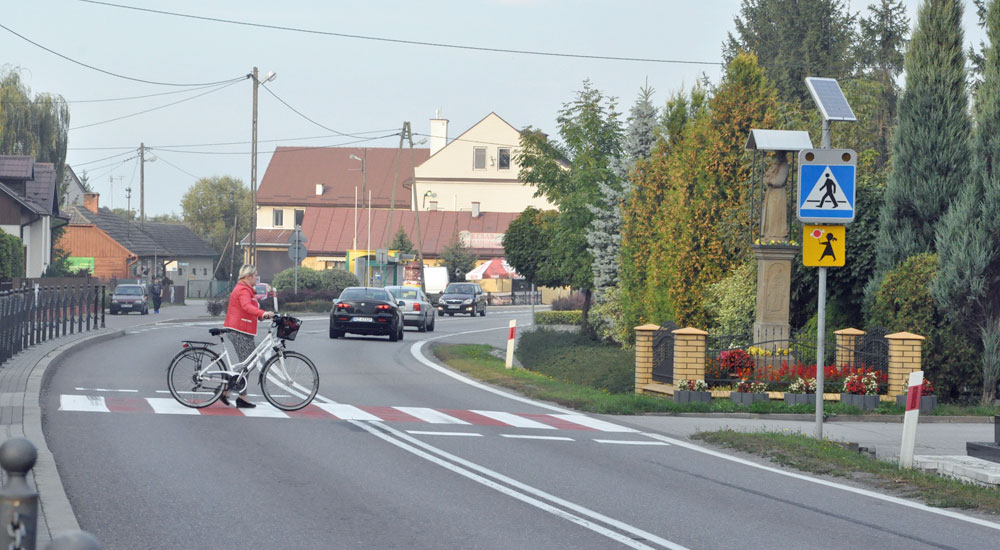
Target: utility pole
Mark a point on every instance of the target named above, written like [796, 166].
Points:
[416, 214]
[392, 201]
[253, 163]
[142, 183]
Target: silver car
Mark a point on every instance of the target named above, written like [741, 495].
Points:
[418, 310]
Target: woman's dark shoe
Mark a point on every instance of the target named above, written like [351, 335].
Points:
[225, 400]
[244, 404]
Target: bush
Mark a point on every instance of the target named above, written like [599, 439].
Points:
[308, 279]
[558, 317]
[577, 359]
[903, 303]
[733, 300]
[336, 280]
[11, 256]
[607, 318]
[569, 303]
[309, 306]
[216, 306]
[305, 295]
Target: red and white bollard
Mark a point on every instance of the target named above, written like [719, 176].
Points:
[910, 418]
[511, 335]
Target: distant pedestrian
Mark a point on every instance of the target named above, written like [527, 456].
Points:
[157, 292]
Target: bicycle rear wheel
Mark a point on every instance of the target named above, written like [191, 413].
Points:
[189, 381]
[289, 381]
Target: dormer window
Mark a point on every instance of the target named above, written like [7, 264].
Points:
[479, 158]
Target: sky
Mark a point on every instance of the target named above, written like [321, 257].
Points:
[347, 85]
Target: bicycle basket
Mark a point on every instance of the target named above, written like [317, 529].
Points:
[288, 328]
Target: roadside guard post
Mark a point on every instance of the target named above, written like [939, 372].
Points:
[511, 334]
[910, 418]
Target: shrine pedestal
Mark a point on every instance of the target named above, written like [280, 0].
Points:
[774, 285]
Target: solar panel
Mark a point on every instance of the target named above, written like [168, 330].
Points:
[830, 100]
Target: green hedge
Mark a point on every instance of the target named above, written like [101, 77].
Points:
[11, 256]
[572, 317]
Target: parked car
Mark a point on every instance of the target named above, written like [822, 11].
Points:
[417, 309]
[265, 295]
[463, 298]
[128, 298]
[363, 310]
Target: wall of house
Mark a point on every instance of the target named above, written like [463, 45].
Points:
[265, 216]
[459, 196]
[110, 258]
[38, 239]
[191, 269]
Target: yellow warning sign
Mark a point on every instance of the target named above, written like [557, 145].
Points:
[823, 245]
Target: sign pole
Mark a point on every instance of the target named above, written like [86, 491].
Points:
[820, 344]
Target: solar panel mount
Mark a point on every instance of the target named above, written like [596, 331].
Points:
[830, 99]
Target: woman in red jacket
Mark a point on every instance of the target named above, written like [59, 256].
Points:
[242, 316]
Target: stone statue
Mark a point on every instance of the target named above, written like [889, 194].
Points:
[774, 212]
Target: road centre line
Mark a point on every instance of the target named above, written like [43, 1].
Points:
[524, 493]
[831, 484]
[545, 437]
[460, 434]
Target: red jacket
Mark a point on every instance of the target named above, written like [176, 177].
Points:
[243, 313]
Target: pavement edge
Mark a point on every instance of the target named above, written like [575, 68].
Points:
[54, 506]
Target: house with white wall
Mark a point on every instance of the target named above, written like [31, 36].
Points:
[476, 171]
[28, 208]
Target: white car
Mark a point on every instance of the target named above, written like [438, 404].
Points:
[418, 310]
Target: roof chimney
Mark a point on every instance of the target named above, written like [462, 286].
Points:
[90, 201]
[319, 189]
[475, 210]
[439, 133]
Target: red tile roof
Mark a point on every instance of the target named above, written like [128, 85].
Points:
[331, 230]
[292, 175]
[269, 237]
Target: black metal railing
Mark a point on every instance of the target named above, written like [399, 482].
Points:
[663, 353]
[32, 315]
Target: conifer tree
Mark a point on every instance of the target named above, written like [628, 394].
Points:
[968, 281]
[931, 154]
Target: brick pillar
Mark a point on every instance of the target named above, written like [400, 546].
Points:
[847, 339]
[644, 355]
[904, 358]
[689, 353]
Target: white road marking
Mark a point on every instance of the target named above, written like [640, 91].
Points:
[347, 412]
[630, 442]
[107, 390]
[594, 423]
[82, 403]
[264, 410]
[545, 437]
[162, 405]
[514, 420]
[430, 415]
[461, 434]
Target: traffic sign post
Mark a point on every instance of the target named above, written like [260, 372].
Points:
[297, 252]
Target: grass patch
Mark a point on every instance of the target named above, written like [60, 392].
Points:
[577, 359]
[831, 458]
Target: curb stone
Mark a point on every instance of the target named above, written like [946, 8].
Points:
[882, 418]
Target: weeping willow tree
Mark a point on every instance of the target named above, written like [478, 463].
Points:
[35, 126]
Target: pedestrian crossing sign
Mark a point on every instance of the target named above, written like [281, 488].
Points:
[826, 185]
[823, 245]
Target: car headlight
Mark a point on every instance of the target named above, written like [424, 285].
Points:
[468, 301]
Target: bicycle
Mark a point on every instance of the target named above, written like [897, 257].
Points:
[198, 375]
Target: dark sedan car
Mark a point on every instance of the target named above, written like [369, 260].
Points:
[462, 298]
[361, 310]
[128, 298]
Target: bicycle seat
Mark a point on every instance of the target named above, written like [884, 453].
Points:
[219, 331]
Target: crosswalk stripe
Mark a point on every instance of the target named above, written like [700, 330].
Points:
[82, 403]
[514, 420]
[347, 412]
[264, 410]
[164, 405]
[594, 423]
[430, 416]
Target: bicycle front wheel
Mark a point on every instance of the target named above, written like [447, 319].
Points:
[289, 381]
[196, 377]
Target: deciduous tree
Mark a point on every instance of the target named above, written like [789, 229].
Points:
[211, 206]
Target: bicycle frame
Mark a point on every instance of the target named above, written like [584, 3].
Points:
[241, 369]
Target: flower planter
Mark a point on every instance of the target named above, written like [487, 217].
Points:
[685, 396]
[927, 402]
[800, 399]
[746, 398]
[863, 402]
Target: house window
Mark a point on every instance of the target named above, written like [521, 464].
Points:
[299, 216]
[479, 158]
[503, 160]
[180, 270]
[279, 218]
[204, 271]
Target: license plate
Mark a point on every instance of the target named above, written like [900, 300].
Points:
[125, 306]
[362, 319]
[453, 307]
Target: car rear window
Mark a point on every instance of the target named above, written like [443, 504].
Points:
[405, 293]
[128, 291]
[365, 294]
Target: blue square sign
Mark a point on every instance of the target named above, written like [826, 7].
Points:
[826, 186]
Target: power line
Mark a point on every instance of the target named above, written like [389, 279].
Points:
[82, 64]
[105, 158]
[287, 150]
[161, 157]
[108, 99]
[296, 111]
[408, 42]
[231, 142]
[155, 108]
